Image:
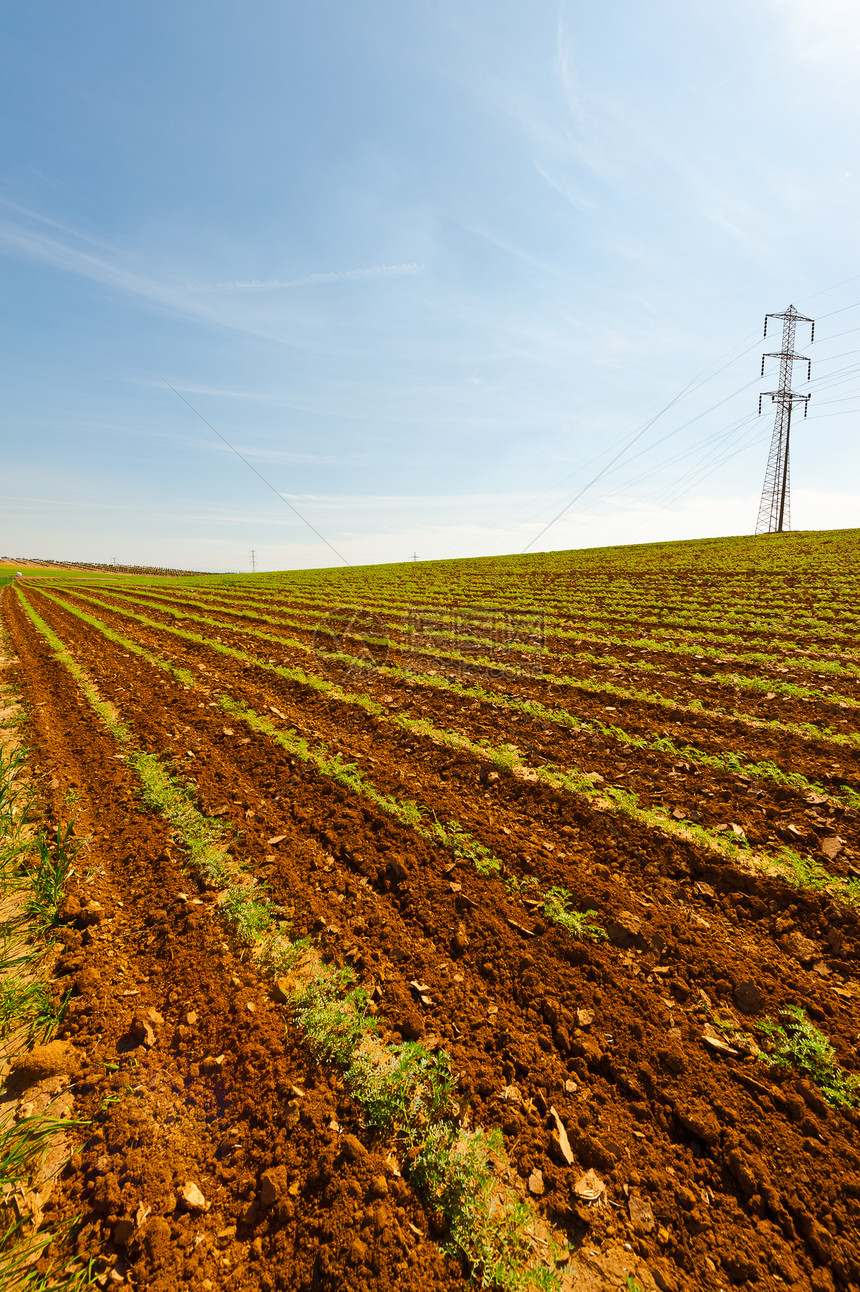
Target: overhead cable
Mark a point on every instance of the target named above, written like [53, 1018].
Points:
[266, 482]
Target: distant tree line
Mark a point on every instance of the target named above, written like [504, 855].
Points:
[95, 565]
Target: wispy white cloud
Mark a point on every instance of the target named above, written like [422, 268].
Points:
[336, 276]
[35, 237]
[28, 236]
[256, 454]
[566, 190]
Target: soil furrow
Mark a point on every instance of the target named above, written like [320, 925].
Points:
[641, 712]
[720, 1168]
[603, 1064]
[763, 695]
[167, 1112]
[698, 794]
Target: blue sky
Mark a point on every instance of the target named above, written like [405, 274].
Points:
[425, 265]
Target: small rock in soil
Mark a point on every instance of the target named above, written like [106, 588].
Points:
[192, 1197]
[835, 939]
[560, 1140]
[156, 1240]
[672, 1058]
[589, 1187]
[357, 1252]
[142, 1027]
[69, 911]
[412, 1027]
[282, 990]
[87, 981]
[795, 944]
[641, 1215]
[57, 1058]
[700, 1121]
[664, 1278]
[273, 1185]
[748, 997]
[460, 940]
[625, 931]
[536, 1184]
[812, 1098]
[122, 1232]
[352, 1148]
[714, 1041]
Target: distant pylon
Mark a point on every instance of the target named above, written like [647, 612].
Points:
[774, 513]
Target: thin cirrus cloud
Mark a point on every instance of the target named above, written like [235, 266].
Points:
[32, 236]
[336, 276]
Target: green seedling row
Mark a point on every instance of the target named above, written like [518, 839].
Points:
[29, 1014]
[584, 685]
[732, 763]
[405, 1089]
[756, 684]
[449, 835]
[562, 627]
[571, 781]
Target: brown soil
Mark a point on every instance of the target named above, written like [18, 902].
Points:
[771, 814]
[720, 1170]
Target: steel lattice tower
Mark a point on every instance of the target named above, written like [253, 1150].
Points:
[774, 513]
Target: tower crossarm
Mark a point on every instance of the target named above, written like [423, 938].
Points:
[785, 397]
[792, 318]
[791, 357]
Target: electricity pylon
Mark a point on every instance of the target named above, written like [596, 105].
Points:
[774, 513]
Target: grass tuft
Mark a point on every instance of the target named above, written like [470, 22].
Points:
[27, 1004]
[799, 1044]
[407, 1096]
[556, 908]
[48, 879]
[332, 1013]
[490, 1228]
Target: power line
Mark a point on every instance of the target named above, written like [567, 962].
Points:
[641, 432]
[715, 458]
[266, 482]
[845, 412]
[832, 288]
[830, 357]
[834, 335]
[841, 310]
[691, 479]
[696, 383]
[826, 381]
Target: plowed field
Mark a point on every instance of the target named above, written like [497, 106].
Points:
[587, 822]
